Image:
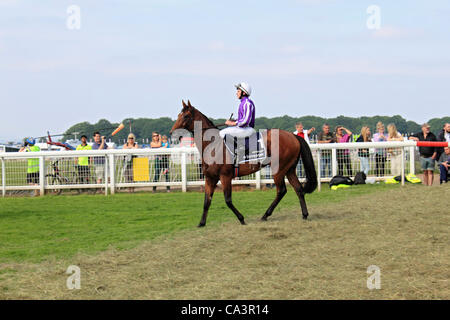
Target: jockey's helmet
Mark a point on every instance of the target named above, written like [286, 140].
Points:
[244, 87]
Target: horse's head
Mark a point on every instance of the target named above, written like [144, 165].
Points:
[185, 118]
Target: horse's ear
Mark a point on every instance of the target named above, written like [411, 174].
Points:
[184, 104]
[189, 103]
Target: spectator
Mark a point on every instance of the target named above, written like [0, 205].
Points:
[343, 156]
[83, 162]
[165, 160]
[157, 143]
[444, 164]
[363, 154]
[325, 162]
[444, 135]
[427, 154]
[305, 135]
[395, 154]
[99, 162]
[299, 131]
[380, 153]
[447, 133]
[33, 164]
[131, 144]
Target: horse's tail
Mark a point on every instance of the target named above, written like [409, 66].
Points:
[308, 163]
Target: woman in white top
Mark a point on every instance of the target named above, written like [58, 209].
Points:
[395, 154]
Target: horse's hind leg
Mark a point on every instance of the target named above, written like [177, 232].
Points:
[293, 180]
[210, 186]
[281, 191]
[227, 188]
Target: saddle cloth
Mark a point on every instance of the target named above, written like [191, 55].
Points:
[246, 149]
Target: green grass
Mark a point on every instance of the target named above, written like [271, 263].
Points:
[34, 229]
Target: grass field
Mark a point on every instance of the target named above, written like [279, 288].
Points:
[147, 245]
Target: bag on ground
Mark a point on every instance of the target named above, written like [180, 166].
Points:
[337, 180]
[360, 178]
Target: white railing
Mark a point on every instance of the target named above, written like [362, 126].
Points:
[112, 170]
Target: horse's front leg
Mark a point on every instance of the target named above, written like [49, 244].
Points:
[210, 186]
[227, 188]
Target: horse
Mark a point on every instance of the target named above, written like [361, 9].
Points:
[291, 148]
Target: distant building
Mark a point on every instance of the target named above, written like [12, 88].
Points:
[9, 148]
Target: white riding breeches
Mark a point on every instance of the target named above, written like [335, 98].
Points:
[239, 132]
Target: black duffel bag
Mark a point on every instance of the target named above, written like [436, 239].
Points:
[360, 178]
[336, 180]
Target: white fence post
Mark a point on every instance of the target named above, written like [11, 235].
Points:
[42, 175]
[106, 175]
[412, 160]
[112, 173]
[258, 179]
[3, 178]
[318, 171]
[403, 166]
[333, 162]
[183, 172]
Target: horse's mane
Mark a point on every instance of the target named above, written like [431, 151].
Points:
[208, 121]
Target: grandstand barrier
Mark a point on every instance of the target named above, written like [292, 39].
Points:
[117, 169]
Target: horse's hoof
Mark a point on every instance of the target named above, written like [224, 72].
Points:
[243, 223]
[200, 225]
[305, 217]
[264, 218]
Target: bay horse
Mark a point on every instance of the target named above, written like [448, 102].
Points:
[291, 148]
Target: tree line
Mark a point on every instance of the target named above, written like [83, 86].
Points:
[143, 127]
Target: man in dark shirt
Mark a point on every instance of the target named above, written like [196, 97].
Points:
[325, 162]
[99, 162]
[427, 154]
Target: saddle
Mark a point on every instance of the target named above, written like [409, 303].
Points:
[248, 149]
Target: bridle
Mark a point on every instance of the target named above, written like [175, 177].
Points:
[192, 116]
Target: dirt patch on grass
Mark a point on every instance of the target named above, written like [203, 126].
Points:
[404, 232]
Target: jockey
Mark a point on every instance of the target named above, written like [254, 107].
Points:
[245, 123]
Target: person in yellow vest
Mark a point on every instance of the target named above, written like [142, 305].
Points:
[83, 162]
[33, 163]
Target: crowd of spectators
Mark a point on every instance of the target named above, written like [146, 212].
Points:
[429, 155]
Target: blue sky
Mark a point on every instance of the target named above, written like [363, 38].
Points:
[140, 58]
